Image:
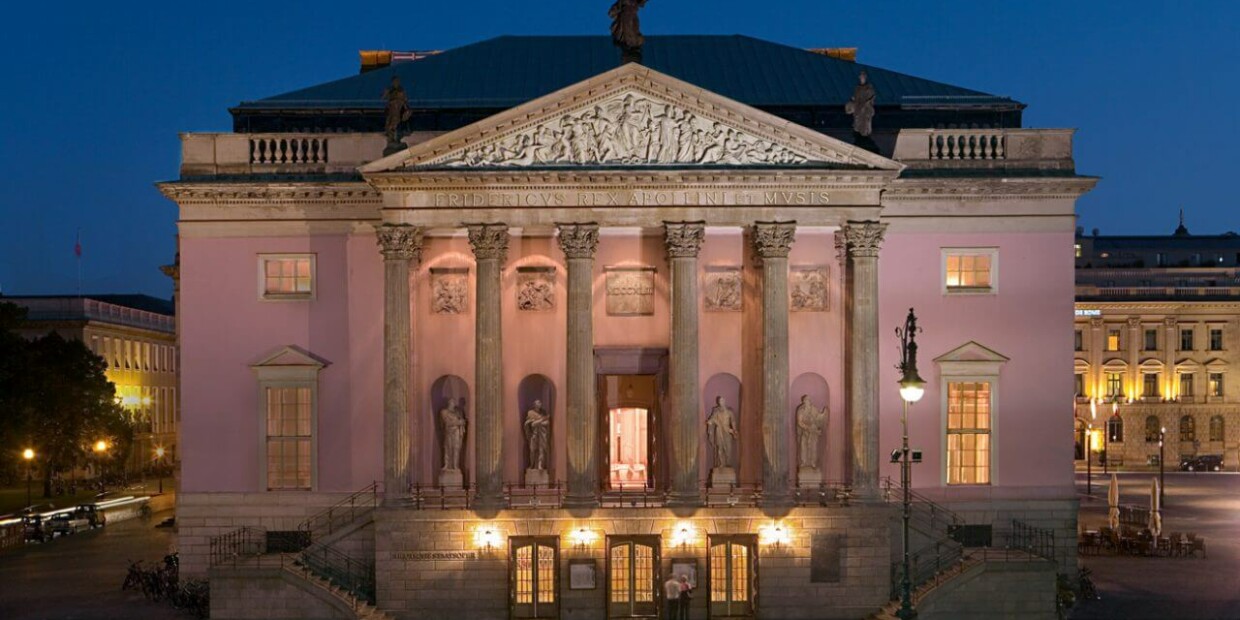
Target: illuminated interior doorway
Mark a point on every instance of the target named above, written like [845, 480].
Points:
[533, 589]
[629, 462]
[633, 576]
[733, 567]
[629, 433]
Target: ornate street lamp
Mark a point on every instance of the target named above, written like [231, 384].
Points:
[28, 455]
[159, 455]
[1162, 471]
[912, 387]
[101, 447]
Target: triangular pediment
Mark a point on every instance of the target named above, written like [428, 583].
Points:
[632, 117]
[971, 352]
[290, 356]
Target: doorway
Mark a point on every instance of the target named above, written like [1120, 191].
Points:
[533, 586]
[633, 576]
[629, 461]
[733, 568]
[629, 420]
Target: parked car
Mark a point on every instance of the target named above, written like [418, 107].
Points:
[1205, 462]
[67, 523]
[92, 513]
[35, 526]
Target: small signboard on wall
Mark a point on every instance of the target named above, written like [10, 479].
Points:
[826, 557]
[582, 574]
[630, 291]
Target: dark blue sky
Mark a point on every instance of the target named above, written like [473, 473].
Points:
[95, 93]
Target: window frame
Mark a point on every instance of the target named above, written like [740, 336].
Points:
[1115, 429]
[1214, 388]
[1221, 428]
[1151, 434]
[1191, 392]
[1119, 340]
[264, 295]
[992, 386]
[267, 438]
[1192, 338]
[1151, 379]
[1211, 342]
[287, 367]
[992, 252]
[1187, 428]
[1149, 340]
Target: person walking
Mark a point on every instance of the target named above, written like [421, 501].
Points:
[671, 592]
[686, 595]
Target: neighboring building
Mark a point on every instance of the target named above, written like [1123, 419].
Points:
[1158, 346]
[623, 245]
[135, 335]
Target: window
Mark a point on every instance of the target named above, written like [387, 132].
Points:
[1152, 429]
[1216, 339]
[532, 576]
[128, 353]
[1080, 385]
[1216, 428]
[1186, 339]
[286, 276]
[1151, 340]
[1188, 428]
[1115, 429]
[1216, 384]
[1077, 249]
[1186, 385]
[288, 438]
[968, 432]
[1115, 384]
[146, 356]
[1149, 385]
[1078, 341]
[970, 270]
[1112, 339]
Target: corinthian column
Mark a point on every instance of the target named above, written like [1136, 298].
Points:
[772, 241]
[578, 241]
[863, 240]
[490, 244]
[401, 246]
[684, 239]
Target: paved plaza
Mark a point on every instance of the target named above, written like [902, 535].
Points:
[1164, 588]
[79, 577]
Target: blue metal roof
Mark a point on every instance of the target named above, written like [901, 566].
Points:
[510, 70]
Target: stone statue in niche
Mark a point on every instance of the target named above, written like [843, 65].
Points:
[453, 420]
[449, 292]
[626, 32]
[396, 111]
[861, 106]
[723, 290]
[810, 421]
[721, 432]
[538, 439]
[807, 288]
[535, 289]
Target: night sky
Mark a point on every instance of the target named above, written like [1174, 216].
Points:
[95, 93]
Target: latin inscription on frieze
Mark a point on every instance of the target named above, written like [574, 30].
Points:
[628, 198]
[630, 291]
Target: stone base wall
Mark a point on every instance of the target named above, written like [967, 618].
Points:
[267, 593]
[430, 565]
[203, 516]
[1010, 590]
[1059, 516]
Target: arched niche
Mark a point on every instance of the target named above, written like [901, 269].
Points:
[813, 385]
[443, 389]
[536, 388]
[728, 387]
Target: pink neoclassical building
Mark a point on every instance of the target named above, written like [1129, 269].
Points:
[556, 329]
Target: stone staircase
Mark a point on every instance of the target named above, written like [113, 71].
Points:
[891, 610]
[361, 609]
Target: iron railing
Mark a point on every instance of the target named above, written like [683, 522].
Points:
[1034, 540]
[342, 513]
[925, 515]
[238, 545]
[357, 577]
[926, 565]
[1134, 516]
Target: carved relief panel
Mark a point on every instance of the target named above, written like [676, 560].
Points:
[630, 291]
[722, 290]
[535, 289]
[807, 288]
[449, 290]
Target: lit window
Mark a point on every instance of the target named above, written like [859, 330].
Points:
[1149, 385]
[1115, 430]
[288, 438]
[287, 276]
[1113, 340]
[1078, 250]
[1216, 384]
[969, 270]
[1115, 384]
[1186, 385]
[968, 432]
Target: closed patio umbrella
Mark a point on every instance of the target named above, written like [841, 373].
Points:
[1155, 511]
[1113, 503]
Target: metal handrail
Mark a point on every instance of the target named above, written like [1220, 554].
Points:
[246, 542]
[357, 577]
[343, 512]
[930, 563]
[1034, 540]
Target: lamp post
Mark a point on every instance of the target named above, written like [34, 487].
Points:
[1089, 459]
[1162, 467]
[912, 387]
[28, 455]
[101, 447]
[159, 472]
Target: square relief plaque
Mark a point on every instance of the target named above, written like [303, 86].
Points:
[630, 291]
[449, 290]
[535, 289]
[722, 289]
[807, 287]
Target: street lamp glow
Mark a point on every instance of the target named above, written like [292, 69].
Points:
[159, 452]
[912, 392]
[101, 445]
[28, 454]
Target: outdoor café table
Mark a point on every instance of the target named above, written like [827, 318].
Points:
[1164, 545]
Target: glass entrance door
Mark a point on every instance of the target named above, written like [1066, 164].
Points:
[633, 577]
[629, 441]
[733, 569]
[532, 577]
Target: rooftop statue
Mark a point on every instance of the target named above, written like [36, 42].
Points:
[396, 111]
[626, 32]
[861, 106]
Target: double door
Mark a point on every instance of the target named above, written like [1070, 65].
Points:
[633, 577]
[732, 565]
[533, 577]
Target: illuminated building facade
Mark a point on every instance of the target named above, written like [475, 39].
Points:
[651, 266]
[136, 336]
[1157, 339]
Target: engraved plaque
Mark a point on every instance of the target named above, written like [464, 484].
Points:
[449, 290]
[807, 289]
[630, 291]
[535, 289]
[826, 557]
[722, 289]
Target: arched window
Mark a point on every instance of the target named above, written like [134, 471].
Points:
[1151, 429]
[1216, 428]
[1115, 429]
[1188, 428]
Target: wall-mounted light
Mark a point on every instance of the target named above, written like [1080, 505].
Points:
[487, 537]
[582, 537]
[776, 534]
[683, 534]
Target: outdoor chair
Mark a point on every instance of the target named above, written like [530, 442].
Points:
[1195, 544]
[1174, 544]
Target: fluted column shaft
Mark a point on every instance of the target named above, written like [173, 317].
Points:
[401, 246]
[684, 240]
[864, 239]
[579, 241]
[490, 245]
[772, 242]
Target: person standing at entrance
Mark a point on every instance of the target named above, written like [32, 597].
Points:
[686, 595]
[671, 592]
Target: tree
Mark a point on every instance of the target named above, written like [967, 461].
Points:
[13, 350]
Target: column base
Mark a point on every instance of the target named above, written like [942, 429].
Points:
[451, 479]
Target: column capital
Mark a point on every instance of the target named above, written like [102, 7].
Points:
[684, 239]
[773, 239]
[489, 241]
[400, 241]
[1134, 322]
[864, 238]
[1171, 322]
[1097, 322]
[578, 240]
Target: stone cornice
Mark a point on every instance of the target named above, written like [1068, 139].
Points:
[268, 193]
[593, 180]
[1159, 307]
[988, 188]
